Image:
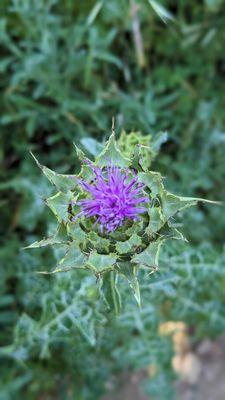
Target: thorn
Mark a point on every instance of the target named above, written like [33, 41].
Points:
[35, 159]
[43, 272]
[113, 125]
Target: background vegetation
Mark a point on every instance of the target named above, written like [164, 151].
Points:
[66, 68]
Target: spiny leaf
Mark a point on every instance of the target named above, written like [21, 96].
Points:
[76, 232]
[73, 259]
[92, 146]
[130, 273]
[150, 256]
[171, 203]
[110, 291]
[111, 155]
[99, 243]
[59, 204]
[142, 157]
[101, 262]
[80, 154]
[61, 181]
[200, 199]
[58, 238]
[156, 220]
[44, 242]
[152, 180]
[128, 245]
[86, 329]
[86, 172]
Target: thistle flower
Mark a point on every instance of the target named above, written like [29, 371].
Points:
[118, 189]
[114, 197]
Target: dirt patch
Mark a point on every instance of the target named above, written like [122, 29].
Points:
[210, 386]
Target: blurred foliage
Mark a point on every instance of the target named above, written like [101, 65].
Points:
[66, 68]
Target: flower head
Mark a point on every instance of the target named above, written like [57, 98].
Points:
[115, 197]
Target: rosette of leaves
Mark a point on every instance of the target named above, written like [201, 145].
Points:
[108, 247]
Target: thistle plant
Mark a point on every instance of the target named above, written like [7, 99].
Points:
[114, 216]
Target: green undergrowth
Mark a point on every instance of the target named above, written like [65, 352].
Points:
[66, 69]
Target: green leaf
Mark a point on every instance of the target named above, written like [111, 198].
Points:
[86, 172]
[135, 159]
[176, 234]
[110, 292]
[152, 180]
[44, 242]
[169, 231]
[156, 220]
[100, 244]
[58, 238]
[92, 146]
[158, 140]
[59, 204]
[61, 181]
[161, 11]
[73, 259]
[128, 245]
[111, 155]
[94, 12]
[76, 232]
[80, 154]
[101, 262]
[130, 273]
[150, 256]
[142, 157]
[86, 328]
[171, 203]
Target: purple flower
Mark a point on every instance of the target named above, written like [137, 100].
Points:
[114, 197]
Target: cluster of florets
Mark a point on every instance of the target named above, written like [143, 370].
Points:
[115, 197]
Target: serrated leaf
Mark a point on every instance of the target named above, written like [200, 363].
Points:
[135, 159]
[142, 157]
[156, 220]
[86, 172]
[101, 262]
[171, 232]
[76, 232]
[137, 227]
[153, 180]
[73, 259]
[110, 292]
[130, 273]
[171, 203]
[86, 329]
[100, 244]
[80, 154]
[44, 242]
[61, 181]
[58, 238]
[128, 245]
[111, 155]
[92, 146]
[176, 234]
[59, 204]
[150, 256]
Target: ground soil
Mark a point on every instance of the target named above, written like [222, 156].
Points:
[210, 385]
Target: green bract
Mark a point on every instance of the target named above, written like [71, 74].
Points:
[134, 245]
